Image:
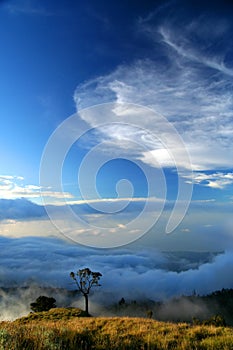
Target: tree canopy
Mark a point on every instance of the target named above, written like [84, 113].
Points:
[43, 303]
[85, 279]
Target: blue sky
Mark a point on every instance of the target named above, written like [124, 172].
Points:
[119, 117]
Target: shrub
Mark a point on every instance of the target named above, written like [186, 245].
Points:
[216, 320]
[43, 303]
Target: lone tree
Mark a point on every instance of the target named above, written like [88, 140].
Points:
[85, 279]
[43, 303]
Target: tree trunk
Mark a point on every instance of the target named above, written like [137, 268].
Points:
[86, 303]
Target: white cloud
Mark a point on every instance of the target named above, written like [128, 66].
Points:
[185, 49]
[10, 177]
[12, 187]
[123, 270]
[112, 200]
[27, 7]
[185, 230]
[27, 228]
[192, 89]
[163, 157]
[215, 180]
[22, 218]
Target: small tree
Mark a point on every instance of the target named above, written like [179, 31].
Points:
[121, 302]
[149, 313]
[85, 279]
[43, 303]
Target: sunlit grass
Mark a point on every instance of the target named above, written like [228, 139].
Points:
[64, 329]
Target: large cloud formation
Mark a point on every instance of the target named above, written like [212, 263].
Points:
[189, 83]
[134, 275]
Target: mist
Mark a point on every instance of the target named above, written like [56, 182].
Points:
[35, 266]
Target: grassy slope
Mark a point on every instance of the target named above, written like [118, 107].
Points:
[62, 329]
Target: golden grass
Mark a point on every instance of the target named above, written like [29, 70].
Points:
[53, 315]
[116, 333]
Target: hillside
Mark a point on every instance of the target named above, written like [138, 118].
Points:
[15, 302]
[55, 314]
[181, 309]
[57, 331]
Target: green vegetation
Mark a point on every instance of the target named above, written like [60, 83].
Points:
[53, 315]
[51, 328]
[61, 329]
[216, 320]
[43, 303]
[201, 309]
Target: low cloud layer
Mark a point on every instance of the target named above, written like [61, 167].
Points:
[88, 226]
[134, 275]
[20, 209]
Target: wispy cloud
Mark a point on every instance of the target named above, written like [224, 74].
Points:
[27, 7]
[183, 47]
[113, 200]
[191, 87]
[12, 187]
[159, 10]
[215, 180]
[197, 103]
